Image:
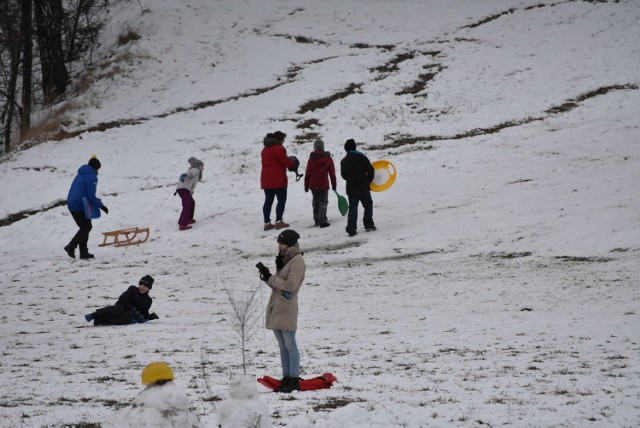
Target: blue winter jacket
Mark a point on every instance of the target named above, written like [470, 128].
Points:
[84, 186]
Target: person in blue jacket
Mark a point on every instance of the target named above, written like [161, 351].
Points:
[84, 186]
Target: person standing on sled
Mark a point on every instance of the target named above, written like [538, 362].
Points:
[273, 178]
[132, 306]
[358, 172]
[84, 186]
[185, 189]
[320, 169]
[282, 309]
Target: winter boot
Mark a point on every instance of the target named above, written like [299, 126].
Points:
[86, 256]
[71, 252]
[268, 226]
[323, 225]
[281, 224]
[193, 220]
[293, 384]
[88, 317]
[184, 227]
[370, 228]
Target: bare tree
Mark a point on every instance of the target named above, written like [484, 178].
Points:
[26, 35]
[244, 316]
[49, 16]
[10, 57]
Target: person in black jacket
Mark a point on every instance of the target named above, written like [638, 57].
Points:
[132, 306]
[358, 172]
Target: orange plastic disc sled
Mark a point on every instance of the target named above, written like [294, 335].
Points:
[385, 175]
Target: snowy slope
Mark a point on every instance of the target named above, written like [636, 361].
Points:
[501, 287]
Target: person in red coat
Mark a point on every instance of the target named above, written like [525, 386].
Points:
[320, 169]
[273, 178]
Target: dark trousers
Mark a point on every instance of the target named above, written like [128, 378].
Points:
[319, 203]
[82, 236]
[367, 203]
[112, 315]
[269, 196]
[188, 207]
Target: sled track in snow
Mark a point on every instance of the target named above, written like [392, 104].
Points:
[409, 140]
[532, 7]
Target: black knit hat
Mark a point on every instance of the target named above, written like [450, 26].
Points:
[280, 135]
[147, 280]
[350, 145]
[94, 163]
[288, 237]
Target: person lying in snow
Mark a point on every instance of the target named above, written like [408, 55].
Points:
[132, 306]
[160, 405]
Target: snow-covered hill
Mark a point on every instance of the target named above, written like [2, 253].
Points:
[501, 287]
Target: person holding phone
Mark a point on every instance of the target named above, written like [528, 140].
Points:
[282, 309]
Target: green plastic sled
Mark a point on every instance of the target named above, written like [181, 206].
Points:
[343, 205]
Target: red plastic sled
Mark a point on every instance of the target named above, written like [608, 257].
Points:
[321, 382]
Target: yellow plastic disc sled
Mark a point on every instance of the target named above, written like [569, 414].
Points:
[385, 175]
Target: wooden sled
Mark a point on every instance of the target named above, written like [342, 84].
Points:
[124, 237]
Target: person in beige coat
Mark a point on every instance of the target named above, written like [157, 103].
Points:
[282, 309]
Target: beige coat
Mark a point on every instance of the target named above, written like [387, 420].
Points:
[282, 314]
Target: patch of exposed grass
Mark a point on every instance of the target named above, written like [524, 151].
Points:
[419, 84]
[575, 102]
[511, 255]
[308, 124]
[326, 101]
[574, 259]
[308, 137]
[522, 180]
[368, 46]
[303, 39]
[490, 18]
[392, 65]
[12, 218]
[335, 403]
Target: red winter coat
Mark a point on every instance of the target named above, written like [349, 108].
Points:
[274, 167]
[320, 168]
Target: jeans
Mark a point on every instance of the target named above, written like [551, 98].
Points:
[320, 202]
[188, 207]
[367, 204]
[269, 195]
[289, 355]
[82, 236]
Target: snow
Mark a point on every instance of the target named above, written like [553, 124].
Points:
[501, 287]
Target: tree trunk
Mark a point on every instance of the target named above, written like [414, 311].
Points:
[26, 25]
[11, 95]
[49, 16]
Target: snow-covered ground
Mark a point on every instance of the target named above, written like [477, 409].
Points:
[501, 287]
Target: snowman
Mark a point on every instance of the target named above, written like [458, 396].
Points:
[243, 408]
[160, 405]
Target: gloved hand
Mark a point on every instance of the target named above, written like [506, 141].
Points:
[306, 190]
[265, 275]
[183, 177]
[105, 209]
